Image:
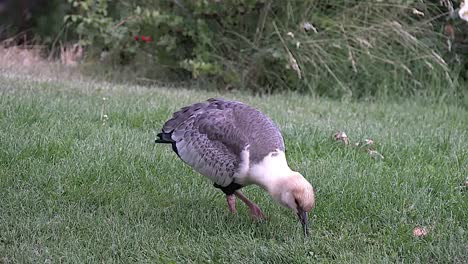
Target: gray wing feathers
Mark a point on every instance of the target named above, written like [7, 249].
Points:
[201, 143]
[182, 115]
[211, 135]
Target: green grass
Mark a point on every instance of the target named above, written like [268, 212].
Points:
[77, 188]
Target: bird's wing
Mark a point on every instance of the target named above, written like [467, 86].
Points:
[208, 140]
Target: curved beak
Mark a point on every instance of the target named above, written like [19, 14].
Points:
[303, 217]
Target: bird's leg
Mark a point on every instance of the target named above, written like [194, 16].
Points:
[255, 211]
[231, 201]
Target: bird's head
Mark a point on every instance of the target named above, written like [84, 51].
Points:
[297, 193]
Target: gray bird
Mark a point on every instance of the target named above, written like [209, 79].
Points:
[235, 145]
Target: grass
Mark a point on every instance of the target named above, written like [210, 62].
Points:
[78, 187]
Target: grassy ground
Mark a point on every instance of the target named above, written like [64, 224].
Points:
[78, 187]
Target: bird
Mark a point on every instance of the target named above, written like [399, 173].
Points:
[235, 145]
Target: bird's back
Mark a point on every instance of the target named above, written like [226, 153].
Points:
[211, 135]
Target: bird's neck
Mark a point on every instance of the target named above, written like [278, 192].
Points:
[271, 171]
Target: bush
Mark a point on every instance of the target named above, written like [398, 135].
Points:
[32, 20]
[335, 48]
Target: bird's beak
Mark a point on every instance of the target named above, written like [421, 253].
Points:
[304, 221]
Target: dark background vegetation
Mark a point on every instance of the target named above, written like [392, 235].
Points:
[334, 48]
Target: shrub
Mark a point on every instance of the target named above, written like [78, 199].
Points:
[335, 48]
[32, 20]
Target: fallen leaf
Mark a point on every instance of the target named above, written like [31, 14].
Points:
[341, 136]
[419, 231]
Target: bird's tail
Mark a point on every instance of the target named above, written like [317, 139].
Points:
[164, 138]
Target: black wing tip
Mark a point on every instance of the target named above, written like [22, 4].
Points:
[164, 138]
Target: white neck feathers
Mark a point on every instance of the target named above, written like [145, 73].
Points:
[270, 170]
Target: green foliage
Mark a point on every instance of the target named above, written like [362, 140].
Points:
[32, 20]
[334, 48]
[97, 28]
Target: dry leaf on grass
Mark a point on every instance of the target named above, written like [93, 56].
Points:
[341, 136]
[365, 145]
[420, 231]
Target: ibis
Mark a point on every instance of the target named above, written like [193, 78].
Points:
[236, 145]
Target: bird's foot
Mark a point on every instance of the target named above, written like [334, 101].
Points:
[231, 201]
[257, 213]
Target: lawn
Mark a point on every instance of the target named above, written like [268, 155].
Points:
[81, 180]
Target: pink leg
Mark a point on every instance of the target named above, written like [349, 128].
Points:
[231, 201]
[255, 211]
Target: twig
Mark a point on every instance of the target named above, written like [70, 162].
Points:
[122, 22]
[261, 22]
[52, 49]
[292, 60]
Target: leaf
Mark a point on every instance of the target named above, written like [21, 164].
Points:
[341, 136]
[420, 231]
